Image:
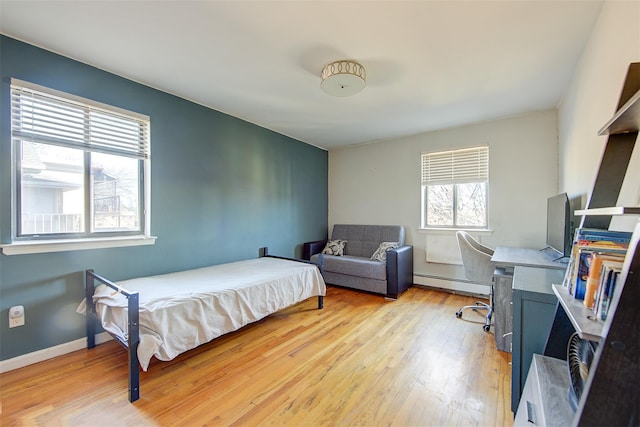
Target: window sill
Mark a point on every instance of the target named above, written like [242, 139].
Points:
[39, 247]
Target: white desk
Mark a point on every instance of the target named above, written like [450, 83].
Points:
[509, 257]
[529, 320]
[534, 308]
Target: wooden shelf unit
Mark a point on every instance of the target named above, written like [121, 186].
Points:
[580, 316]
[623, 133]
[616, 210]
[627, 119]
[612, 390]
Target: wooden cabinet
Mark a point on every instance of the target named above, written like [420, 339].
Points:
[534, 307]
[502, 314]
[548, 408]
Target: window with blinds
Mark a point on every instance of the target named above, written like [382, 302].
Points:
[454, 188]
[80, 166]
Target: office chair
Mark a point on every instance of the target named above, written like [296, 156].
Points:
[476, 259]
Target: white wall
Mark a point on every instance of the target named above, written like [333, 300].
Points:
[591, 101]
[380, 184]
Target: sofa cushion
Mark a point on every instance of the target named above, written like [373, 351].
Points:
[381, 253]
[334, 247]
[365, 239]
[354, 266]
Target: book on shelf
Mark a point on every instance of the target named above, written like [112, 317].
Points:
[610, 272]
[586, 241]
[594, 275]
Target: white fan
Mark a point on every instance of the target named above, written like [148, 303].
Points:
[580, 354]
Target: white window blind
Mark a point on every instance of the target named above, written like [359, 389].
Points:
[456, 166]
[42, 115]
[81, 169]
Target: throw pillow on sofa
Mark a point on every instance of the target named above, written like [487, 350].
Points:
[334, 247]
[381, 253]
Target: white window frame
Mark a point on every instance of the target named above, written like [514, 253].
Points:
[451, 167]
[87, 240]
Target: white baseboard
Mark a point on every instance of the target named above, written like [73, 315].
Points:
[452, 285]
[49, 353]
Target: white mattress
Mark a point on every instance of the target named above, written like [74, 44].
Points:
[180, 311]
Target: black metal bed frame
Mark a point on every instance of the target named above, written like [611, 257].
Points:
[133, 338]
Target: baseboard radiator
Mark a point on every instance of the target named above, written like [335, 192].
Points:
[442, 249]
[451, 285]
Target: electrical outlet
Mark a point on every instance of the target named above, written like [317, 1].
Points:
[16, 316]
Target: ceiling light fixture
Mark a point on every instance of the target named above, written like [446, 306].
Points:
[343, 78]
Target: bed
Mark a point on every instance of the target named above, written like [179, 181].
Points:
[165, 315]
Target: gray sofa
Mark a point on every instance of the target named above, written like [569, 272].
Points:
[355, 269]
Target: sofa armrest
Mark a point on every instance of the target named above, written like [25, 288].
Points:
[399, 270]
[312, 248]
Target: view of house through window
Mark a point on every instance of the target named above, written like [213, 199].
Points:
[116, 193]
[454, 188]
[52, 191]
[79, 168]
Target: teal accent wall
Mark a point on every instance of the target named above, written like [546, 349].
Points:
[220, 189]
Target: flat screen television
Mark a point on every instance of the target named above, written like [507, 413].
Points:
[559, 229]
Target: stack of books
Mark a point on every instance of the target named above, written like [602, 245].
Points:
[596, 260]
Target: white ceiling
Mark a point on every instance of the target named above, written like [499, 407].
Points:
[430, 64]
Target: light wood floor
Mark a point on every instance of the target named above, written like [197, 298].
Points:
[360, 361]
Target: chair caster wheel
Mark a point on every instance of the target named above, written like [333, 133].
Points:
[458, 314]
[486, 328]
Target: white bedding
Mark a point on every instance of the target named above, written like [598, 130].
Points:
[180, 311]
